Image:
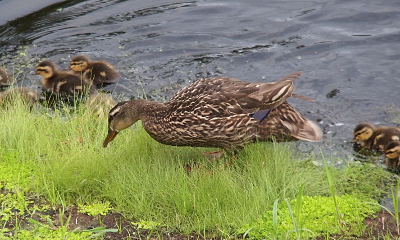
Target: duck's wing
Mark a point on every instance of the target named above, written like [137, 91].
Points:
[217, 97]
[100, 72]
[285, 120]
[72, 84]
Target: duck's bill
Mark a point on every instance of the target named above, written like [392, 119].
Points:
[110, 136]
[354, 140]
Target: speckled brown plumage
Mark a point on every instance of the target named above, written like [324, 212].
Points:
[99, 72]
[219, 112]
[375, 139]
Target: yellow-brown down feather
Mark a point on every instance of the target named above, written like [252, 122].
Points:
[98, 72]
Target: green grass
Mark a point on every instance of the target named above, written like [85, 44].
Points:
[65, 162]
[318, 216]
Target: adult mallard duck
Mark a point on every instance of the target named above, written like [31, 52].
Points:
[5, 78]
[375, 139]
[62, 83]
[392, 153]
[99, 72]
[219, 112]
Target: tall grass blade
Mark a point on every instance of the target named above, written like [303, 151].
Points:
[299, 204]
[332, 189]
[395, 198]
[275, 224]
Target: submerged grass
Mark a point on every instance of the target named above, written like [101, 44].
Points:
[148, 182]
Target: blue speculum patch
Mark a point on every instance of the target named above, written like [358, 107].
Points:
[260, 115]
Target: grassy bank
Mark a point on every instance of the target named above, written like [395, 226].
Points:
[59, 156]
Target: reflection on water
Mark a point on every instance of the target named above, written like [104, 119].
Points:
[348, 50]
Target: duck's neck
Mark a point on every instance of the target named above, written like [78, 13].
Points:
[148, 109]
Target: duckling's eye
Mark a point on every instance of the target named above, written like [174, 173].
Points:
[359, 133]
[43, 70]
[74, 64]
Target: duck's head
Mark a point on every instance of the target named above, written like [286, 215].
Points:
[392, 150]
[5, 78]
[122, 116]
[363, 131]
[46, 69]
[79, 63]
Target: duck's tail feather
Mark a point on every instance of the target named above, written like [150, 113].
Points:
[310, 131]
[303, 97]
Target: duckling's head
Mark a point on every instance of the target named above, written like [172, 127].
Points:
[46, 69]
[122, 116]
[392, 150]
[79, 63]
[363, 131]
[5, 78]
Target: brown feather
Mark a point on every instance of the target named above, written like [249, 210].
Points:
[217, 112]
[60, 82]
[98, 72]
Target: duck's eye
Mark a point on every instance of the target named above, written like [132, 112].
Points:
[390, 152]
[74, 64]
[359, 133]
[42, 70]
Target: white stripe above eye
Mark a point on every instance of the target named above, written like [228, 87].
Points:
[113, 112]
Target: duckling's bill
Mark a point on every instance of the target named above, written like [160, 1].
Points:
[110, 136]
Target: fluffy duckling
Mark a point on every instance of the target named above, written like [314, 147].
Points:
[376, 139]
[62, 83]
[219, 112]
[99, 72]
[100, 104]
[28, 96]
[392, 153]
[5, 78]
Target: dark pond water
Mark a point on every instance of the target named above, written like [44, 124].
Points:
[348, 50]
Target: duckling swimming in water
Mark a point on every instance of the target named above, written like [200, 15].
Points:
[5, 78]
[99, 72]
[62, 83]
[392, 153]
[372, 138]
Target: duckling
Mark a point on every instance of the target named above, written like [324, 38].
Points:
[62, 83]
[219, 112]
[100, 104]
[99, 72]
[375, 139]
[28, 96]
[392, 153]
[5, 78]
